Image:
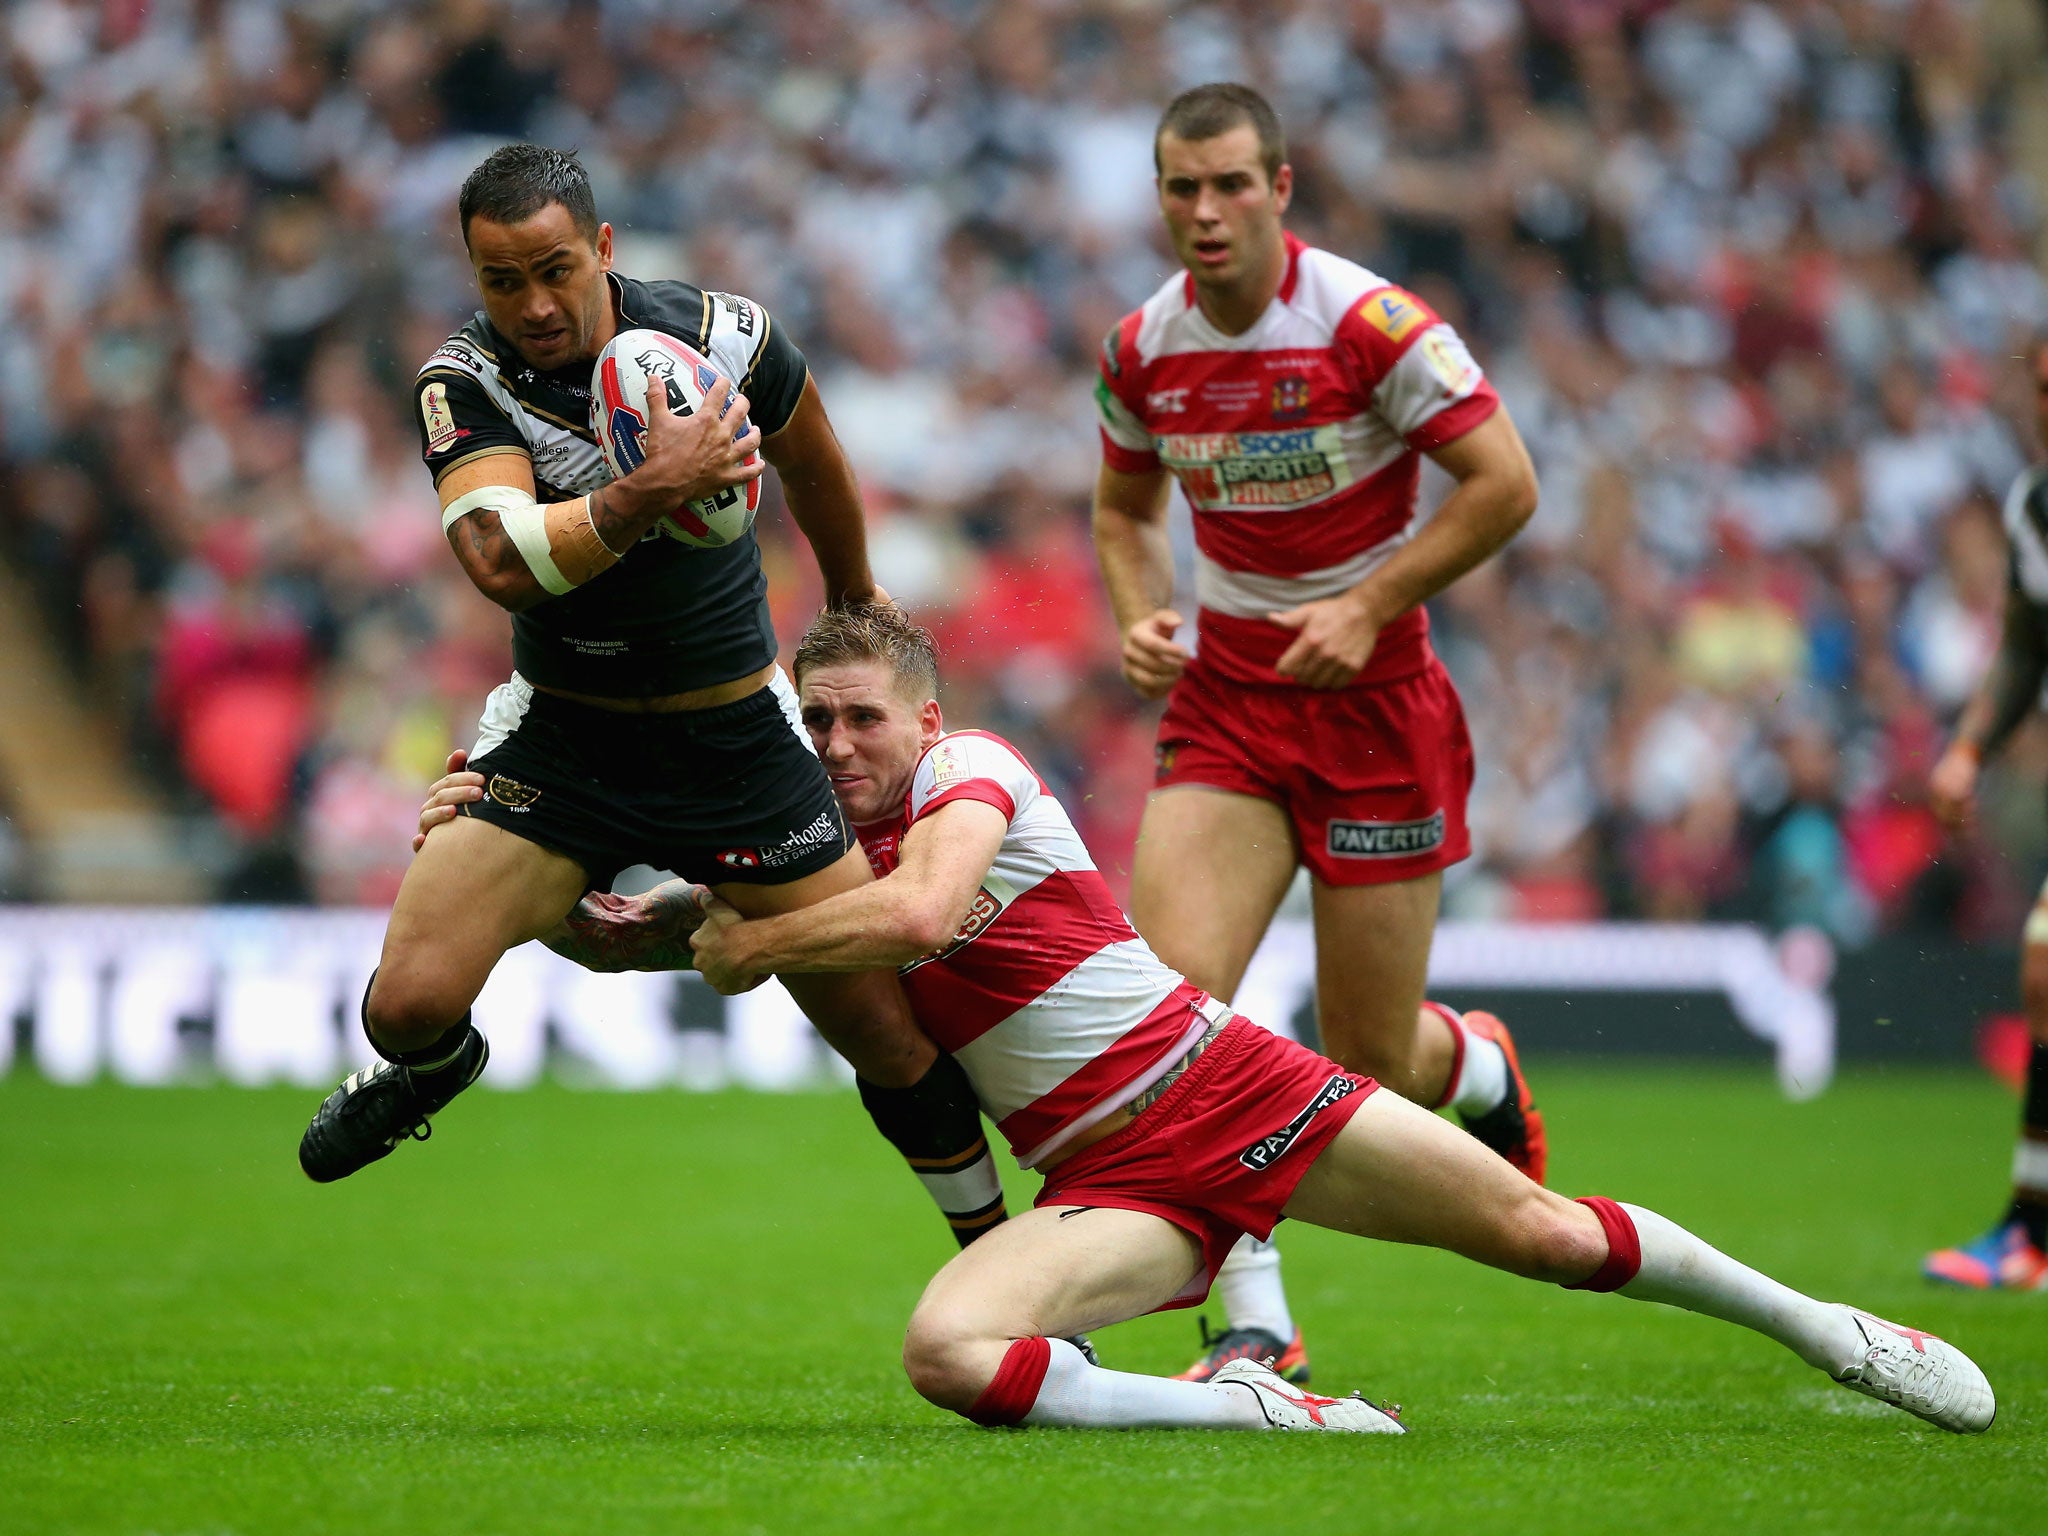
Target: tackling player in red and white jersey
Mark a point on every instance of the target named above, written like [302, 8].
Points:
[1292, 394]
[1165, 1125]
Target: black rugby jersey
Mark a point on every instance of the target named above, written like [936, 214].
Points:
[2021, 664]
[669, 616]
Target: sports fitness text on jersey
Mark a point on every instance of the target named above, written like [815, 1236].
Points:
[1297, 443]
[668, 617]
[1047, 996]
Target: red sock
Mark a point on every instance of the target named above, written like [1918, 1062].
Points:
[1450, 1017]
[1009, 1397]
[1624, 1247]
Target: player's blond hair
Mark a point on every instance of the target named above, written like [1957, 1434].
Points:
[873, 632]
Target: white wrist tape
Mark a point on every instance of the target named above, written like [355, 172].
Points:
[525, 520]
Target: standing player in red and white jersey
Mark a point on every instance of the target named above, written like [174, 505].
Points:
[1292, 394]
[1165, 1125]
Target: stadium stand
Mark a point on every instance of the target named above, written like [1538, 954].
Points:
[1749, 275]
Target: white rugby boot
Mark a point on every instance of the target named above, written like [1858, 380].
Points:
[1926, 1376]
[1289, 1407]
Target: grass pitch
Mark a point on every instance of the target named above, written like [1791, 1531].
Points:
[680, 1313]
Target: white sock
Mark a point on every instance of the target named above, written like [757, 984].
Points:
[1251, 1290]
[1079, 1395]
[1681, 1271]
[1482, 1073]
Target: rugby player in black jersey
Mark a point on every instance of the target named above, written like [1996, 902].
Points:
[2013, 1255]
[645, 720]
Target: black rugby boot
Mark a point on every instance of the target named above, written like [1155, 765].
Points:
[386, 1103]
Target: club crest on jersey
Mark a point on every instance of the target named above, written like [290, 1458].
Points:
[1385, 839]
[439, 420]
[1393, 313]
[1268, 1150]
[1290, 398]
[512, 794]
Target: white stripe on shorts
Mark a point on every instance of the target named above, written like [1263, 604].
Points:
[509, 702]
[503, 711]
[785, 695]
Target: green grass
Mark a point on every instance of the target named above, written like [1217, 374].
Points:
[675, 1313]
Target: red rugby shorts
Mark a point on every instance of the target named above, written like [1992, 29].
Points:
[1374, 777]
[1220, 1154]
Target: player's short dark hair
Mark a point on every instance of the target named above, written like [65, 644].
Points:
[516, 182]
[873, 632]
[1207, 110]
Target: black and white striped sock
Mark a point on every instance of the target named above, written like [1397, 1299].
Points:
[936, 1124]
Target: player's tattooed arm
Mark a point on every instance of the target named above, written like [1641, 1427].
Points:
[493, 561]
[616, 528]
[603, 932]
[648, 932]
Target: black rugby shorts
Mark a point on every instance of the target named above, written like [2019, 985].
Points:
[732, 793]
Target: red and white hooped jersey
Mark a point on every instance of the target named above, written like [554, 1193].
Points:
[1296, 443]
[1048, 998]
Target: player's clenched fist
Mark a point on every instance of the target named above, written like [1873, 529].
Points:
[1952, 787]
[1334, 639]
[716, 961]
[1152, 659]
[450, 793]
[703, 453]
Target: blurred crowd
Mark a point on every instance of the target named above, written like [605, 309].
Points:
[1752, 278]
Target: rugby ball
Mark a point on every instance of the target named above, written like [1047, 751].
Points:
[618, 419]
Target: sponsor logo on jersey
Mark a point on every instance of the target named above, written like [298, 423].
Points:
[740, 858]
[948, 766]
[1167, 402]
[440, 421]
[1268, 1150]
[1232, 394]
[1163, 757]
[982, 911]
[1451, 363]
[512, 794]
[1385, 839]
[742, 311]
[1239, 471]
[458, 352]
[822, 831]
[1290, 398]
[1393, 313]
[1111, 362]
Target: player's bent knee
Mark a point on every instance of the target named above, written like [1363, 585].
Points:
[1363, 1046]
[1567, 1241]
[950, 1367]
[407, 1012]
[1548, 1237]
